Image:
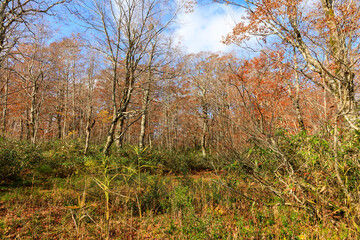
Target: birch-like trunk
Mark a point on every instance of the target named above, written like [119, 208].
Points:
[204, 130]
[120, 133]
[5, 109]
[144, 110]
[296, 98]
[115, 119]
[110, 136]
[143, 119]
[33, 115]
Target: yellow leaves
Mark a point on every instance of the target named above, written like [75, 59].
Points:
[90, 163]
[72, 133]
[220, 210]
[302, 237]
[105, 116]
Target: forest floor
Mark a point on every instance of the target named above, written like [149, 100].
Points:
[54, 191]
[155, 206]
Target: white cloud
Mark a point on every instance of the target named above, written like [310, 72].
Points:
[204, 27]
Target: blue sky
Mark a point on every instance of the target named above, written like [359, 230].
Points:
[196, 31]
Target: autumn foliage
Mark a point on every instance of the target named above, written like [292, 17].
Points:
[218, 139]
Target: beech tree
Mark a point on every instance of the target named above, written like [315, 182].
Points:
[32, 69]
[124, 31]
[326, 33]
[90, 121]
[176, 109]
[160, 54]
[146, 94]
[14, 15]
[6, 73]
[205, 71]
[65, 73]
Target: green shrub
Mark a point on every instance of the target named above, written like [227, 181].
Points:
[10, 165]
[156, 197]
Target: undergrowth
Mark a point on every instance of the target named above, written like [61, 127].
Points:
[53, 191]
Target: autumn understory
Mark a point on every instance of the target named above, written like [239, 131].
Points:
[176, 207]
[127, 196]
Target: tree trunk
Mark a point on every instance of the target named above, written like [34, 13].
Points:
[144, 111]
[142, 128]
[110, 137]
[89, 126]
[58, 118]
[204, 130]
[21, 130]
[120, 133]
[5, 109]
[119, 114]
[73, 123]
[65, 98]
[27, 128]
[33, 116]
[296, 99]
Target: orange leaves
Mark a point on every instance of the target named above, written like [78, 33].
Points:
[261, 92]
[189, 5]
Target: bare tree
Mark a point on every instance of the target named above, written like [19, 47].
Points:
[296, 96]
[14, 15]
[203, 77]
[160, 54]
[32, 70]
[90, 122]
[5, 87]
[146, 98]
[123, 31]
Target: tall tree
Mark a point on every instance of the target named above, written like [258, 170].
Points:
[326, 33]
[14, 15]
[159, 55]
[66, 70]
[90, 121]
[32, 69]
[203, 74]
[124, 32]
[6, 75]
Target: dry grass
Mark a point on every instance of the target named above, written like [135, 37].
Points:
[173, 207]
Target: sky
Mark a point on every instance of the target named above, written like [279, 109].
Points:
[199, 30]
[204, 27]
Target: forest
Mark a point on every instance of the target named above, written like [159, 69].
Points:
[111, 129]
